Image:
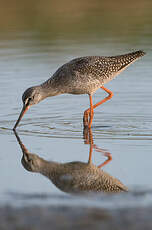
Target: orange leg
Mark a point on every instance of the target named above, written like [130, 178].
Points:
[87, 112]
[106, 154]
[91, 112]
[90, 153]
[107, 161]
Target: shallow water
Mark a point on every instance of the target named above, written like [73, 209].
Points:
[53, 129]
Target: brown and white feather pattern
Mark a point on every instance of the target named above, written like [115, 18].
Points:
[85, 75]
[73, 177]
[103, 67]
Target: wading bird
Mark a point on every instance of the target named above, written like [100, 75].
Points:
[82, 75]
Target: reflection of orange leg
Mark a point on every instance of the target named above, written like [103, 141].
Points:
[90, 153]
[87, 112]
[87, 135]
[106, 154]
[88, 139]
[106, 161]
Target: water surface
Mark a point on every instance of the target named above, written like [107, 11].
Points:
[32, 48]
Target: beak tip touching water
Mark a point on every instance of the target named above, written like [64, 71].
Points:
[14, 128]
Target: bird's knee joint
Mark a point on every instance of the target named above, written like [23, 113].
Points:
[111, 94]
[86, 113]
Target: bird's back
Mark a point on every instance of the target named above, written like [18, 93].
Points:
[103, 68]
[87, 74]
[83, 177]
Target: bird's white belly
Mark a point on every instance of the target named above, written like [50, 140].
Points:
[87, 88]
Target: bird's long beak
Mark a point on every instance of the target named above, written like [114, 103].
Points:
[24, 149]
[24, 109]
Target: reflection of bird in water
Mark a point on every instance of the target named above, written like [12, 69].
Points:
[73, 177]
[80, 76]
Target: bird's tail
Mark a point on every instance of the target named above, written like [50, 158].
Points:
[137, 54]
[130, 57]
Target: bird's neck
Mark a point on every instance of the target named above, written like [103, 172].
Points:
[50, 88]
[49, 168]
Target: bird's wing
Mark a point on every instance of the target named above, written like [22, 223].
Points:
[104, 66]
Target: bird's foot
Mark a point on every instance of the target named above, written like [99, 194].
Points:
[85, 121]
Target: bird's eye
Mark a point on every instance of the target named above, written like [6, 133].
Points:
[29, 99]
[30, 161]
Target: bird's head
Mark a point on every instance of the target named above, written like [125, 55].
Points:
[30, 97]
[31, 162]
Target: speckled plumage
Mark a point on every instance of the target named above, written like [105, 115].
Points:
[85, 75]
[74, 177]
[82, 75]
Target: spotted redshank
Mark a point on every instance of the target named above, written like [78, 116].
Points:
[82, 75]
